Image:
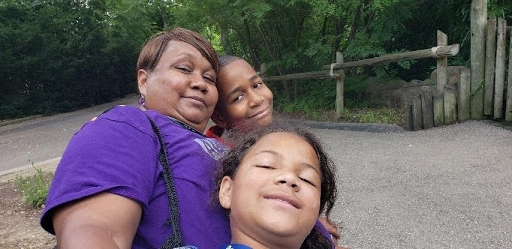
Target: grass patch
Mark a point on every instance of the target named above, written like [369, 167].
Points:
[381, 115]
[34, 189]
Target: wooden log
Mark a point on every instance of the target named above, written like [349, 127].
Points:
[417, 115]
[339, 86]
[409, 117]
[508, 108]
[464, 93]
[299, 76]
[435, 52]
[490, 58]
[450, 104]
[442, 63]
[426, 107]
[499, 81]
[438, 104]
[478, 23]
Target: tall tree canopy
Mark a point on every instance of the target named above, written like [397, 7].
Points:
[60, 55]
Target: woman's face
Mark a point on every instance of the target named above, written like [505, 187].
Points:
[244, 99]
[275, 194]
[182, 85]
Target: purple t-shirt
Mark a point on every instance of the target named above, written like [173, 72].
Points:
[118, 153]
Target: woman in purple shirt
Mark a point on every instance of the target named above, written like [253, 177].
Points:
[109, 189]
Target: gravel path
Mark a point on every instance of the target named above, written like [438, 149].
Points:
[446, 187]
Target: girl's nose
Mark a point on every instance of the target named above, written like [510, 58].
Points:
[289, 179]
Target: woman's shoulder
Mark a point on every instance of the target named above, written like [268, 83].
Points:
[124, 113]
[129, 115]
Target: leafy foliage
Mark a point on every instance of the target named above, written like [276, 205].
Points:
[34, 189]
[60, 55]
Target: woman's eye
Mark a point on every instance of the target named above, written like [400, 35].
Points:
[184, 68]
[209, 78]
[257, 85]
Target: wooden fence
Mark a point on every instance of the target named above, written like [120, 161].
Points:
[458, 103]
[498, 95]
[441, 53]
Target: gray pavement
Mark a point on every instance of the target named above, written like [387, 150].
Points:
[446, 187]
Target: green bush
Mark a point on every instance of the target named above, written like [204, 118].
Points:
[34, 189]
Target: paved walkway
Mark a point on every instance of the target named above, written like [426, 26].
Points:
[446, 187]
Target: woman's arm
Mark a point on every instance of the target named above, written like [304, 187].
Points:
[104, 220]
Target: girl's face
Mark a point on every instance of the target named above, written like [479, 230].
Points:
[275, 195]
[244, 100]
[182, 85]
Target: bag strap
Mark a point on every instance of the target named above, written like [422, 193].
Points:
[175, 239]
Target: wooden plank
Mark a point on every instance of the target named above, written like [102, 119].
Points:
[477, 57]
[499, 80]
[450, 104]
[417, 116]
[508, 108]
[435, 52]
[340, 79]
[426, 107]
[464, 93]
[490, 59]
[438, 104]
[409, 117]
[299, 76]
[442, 63]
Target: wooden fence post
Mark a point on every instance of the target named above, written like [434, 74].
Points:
[450, 104]
[508, 109]
[438, 104]
[490, 58]
[478, 23]
[499, 80]
[442, 63]
[339, 86]
[417, 122]
[409, 116]
[464, 92]
[426, 107]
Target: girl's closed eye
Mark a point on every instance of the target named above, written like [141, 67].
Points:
[264, 166]
[306, 180]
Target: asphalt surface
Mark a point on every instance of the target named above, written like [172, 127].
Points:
[446, 187]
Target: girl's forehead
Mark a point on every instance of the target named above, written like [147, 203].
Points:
[282, 141]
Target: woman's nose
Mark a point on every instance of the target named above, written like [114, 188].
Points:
[199, 83]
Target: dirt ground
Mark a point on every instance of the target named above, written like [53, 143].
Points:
[19, 223]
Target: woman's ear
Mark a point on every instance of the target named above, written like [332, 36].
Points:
[218, 120]
[142, 79]
[226, 186]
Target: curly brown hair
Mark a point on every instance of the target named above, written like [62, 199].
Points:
[242, 142]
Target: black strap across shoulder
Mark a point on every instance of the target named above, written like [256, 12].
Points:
[176, 239]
